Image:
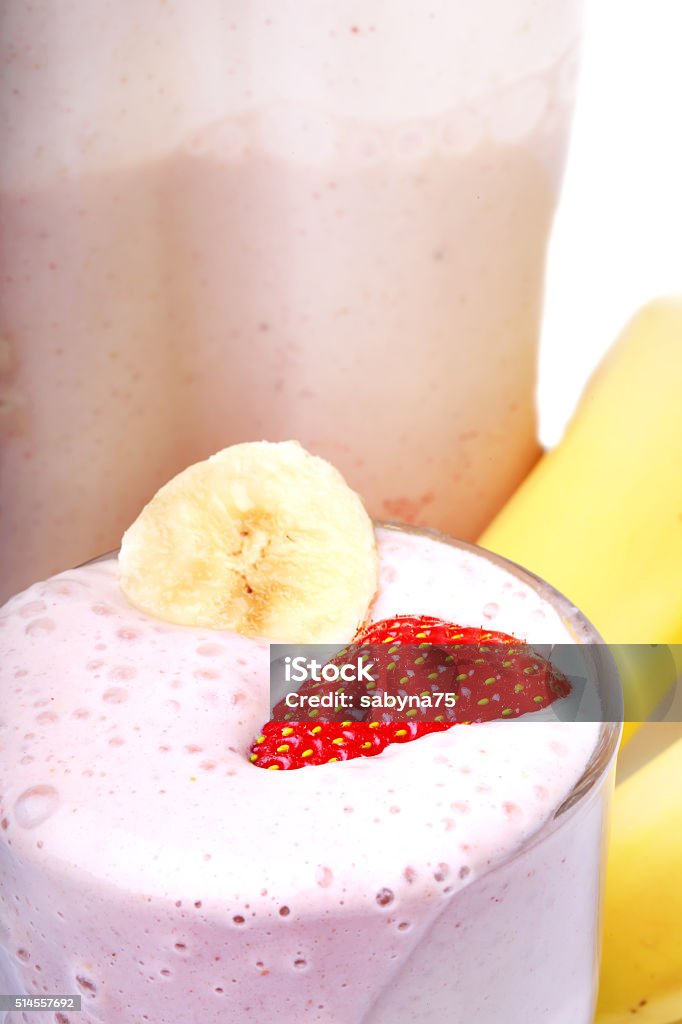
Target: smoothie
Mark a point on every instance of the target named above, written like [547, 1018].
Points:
[258, 219]
[149, 867]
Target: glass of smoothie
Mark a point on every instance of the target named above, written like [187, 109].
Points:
[150, 866]
[235, 220]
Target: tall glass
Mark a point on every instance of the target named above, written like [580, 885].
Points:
[228, 220]
[517, 942]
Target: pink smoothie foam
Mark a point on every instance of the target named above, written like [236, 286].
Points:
[149, 867]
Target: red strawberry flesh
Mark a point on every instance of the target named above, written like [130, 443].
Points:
[492, 675]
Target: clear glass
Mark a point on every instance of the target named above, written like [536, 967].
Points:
[519, 943]
[242, 219]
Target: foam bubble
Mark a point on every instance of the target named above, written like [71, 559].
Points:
[40, 627]
[35, 805]
[115, 695]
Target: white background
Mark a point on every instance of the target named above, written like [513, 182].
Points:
[618, 235]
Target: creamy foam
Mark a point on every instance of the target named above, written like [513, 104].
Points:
[87, 93]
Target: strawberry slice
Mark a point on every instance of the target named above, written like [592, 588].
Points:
[491, 675]
[411, 650]
[417, 629]
[504, 683]
[289, 745]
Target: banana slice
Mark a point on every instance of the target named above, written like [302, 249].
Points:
[263, 539]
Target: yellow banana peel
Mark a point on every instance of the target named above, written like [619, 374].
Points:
[641, 974]
[600, 515]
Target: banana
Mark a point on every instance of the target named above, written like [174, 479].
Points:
[600, 515]
[629, 730]
[263, 539]
[641, 973]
